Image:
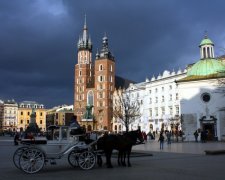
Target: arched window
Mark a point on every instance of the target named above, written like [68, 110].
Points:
[100, 67]
[90, 99]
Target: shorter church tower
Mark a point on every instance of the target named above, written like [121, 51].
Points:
[104, 86]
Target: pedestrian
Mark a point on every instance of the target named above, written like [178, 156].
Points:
[16, 138]
[168, 135]
[161, 140]
[196, 135]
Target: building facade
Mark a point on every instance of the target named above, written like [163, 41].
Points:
[8, 113]
[60, 115]
[94, 84]
[24, 112]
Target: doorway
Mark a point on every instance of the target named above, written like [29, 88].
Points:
[210, 131]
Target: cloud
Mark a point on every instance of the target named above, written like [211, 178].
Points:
[38, 40]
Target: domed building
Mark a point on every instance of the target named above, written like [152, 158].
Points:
[201, 95]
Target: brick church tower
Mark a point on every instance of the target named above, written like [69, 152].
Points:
[94, 84]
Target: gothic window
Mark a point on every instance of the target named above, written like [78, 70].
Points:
[100, 78]
[90, 98]
[100, 67]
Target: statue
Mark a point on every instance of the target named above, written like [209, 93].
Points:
[88, 113]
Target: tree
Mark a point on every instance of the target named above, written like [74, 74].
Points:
[125, 108]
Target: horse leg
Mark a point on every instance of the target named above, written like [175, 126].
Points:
[120, 156]
[124, 158]
[108, 155]
[128, 157]
[99, 160]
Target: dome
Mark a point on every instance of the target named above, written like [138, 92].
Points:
[206, 67]
[206, 41]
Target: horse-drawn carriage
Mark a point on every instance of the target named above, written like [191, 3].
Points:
[35, 152]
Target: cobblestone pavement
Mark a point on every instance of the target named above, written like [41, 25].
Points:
[181, 147]
[185, 161]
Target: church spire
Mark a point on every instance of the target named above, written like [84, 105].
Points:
[84, 41]
[105, 53]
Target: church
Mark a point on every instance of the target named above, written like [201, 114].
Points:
[202, 95]
[94, 84]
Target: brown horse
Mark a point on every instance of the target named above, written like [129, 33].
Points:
[122, 143]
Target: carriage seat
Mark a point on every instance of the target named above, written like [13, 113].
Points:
[33, 141]
[77, 131]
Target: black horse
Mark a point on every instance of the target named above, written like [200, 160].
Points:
[122, 143]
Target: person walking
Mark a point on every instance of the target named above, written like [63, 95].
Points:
[196, 135]
[168, 135]
[161, 140]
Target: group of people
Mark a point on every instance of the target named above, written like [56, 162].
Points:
[203, 135]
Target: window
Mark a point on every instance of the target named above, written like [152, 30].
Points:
[170, 87]
[150, 91]
[150, 101]
[163, 110]
[21, 113]
[27, 121]
[28, 113]
[171, 110]
[100, 78]
[156, 90]
[177, 96]
[156, 99]
[150, 112]
[156, 111]
[177, 110]
[21, 121]
[162, 88]
[40, 113]
[100, 67]
[111, 68]
[40, 121]
[163, 99]
[80, 73]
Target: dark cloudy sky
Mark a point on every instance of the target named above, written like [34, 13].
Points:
[38, 40]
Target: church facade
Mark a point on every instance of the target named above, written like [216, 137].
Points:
[94, 84]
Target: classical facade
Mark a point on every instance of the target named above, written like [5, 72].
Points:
[94, 84]
[25, 109]
[159, 103]
[8, 115]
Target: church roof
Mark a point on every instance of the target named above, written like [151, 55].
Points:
[206, 67]
[206, 41]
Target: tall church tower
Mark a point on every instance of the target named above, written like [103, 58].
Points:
[104, 86]
[83, 73]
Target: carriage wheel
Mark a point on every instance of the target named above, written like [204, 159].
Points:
[73, 158]
[86, 160]
[16, 156]
[32, 160]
